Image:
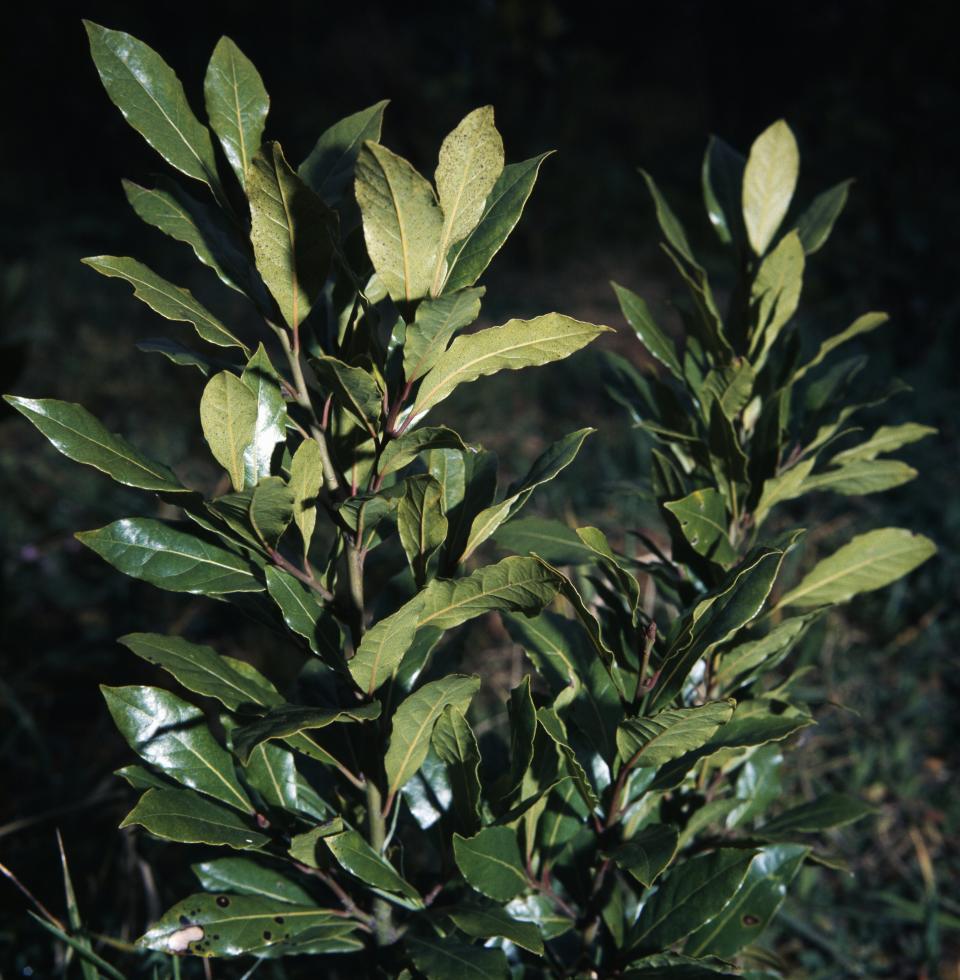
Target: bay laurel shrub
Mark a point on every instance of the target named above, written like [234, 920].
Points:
[636, 827]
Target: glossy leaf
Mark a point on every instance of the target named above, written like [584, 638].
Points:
[816, 223]
[468, 260]
[491, 862]
[81, 437]
[870, 561]
[241, 876]
[229, 413]
[413, 721]
[515, 345]
[652, 742]
[306, 481]
[553, 725]
[722, 181]
[447, 959]
[421, 523]
[456, 746]
[177, 353]
[170, 559]
[753, 653]
[237, 105]
[262, 379]
[353, 387]
[404, 450]
[702, 516]
[826, 811]
[149, 94]
[550, 539]
[383, 646]
[360, 859]
[491, 921]
[648, 853]
[436, 322]
[303, 613]
[166, 299]
[185, 816]
[651, 335]
[669, 223]
[769, 180]
[271, 510]
[402, 221]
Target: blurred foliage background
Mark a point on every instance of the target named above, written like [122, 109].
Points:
[870, 90]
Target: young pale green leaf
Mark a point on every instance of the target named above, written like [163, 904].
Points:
[456, 746]
[775, 295]
[556, 458]
[402, 221]
[885, 440]
[172, 736]
[81, 437]
[413, 721]
[816, 223]
[752, 654]
[200, 669]
[360, 859]
[515, 345]
[150, 96]
[702, 516]
[292, 232]
[756, 902]
[861, 477]
[691, 895]
[355, 389]
[517, 584]
[784, 486]
[491, 921]
[287, 720]
[237, 105]
[651, 335]
[404, 450]
[550, 539]
[471, 161]
[241, 876]
[383, 646]
[669, 223]
[648, 852]
[229, 415]
[653, 742]
[306, 481]
[769, 180]
[722, 180]
[447, 959]
[234, 925]
[468, 260]
[823, 813]
[870, 561]
[328, 170]
[170, 559]
[304, 614]
[437, 320]
[491, 862]
[261, 378]
[166, 299]
[184, 816]
[863, 324]
[421, 523]
[271, 510]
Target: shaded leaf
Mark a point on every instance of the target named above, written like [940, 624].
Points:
[306, 481]
[648, 852]
[405, 449]
[436, 322]
[826, 811]
[447, 959]
[702, 516]
[491, 921]
[553, 540]
[491, 862]
[271, 510]
[456, 746]
[651, 335]
[304, 614]
[816, 223]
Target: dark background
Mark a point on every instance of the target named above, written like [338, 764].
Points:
[870, 89]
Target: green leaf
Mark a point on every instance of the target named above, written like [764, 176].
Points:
[261, 378]
[149, 94]
[775, 295]
[885, 440]
[469, 481]
[177, 353]
[638, 315]
[652, 742]
[552, 540]
[272, 772]
[863, 324]
[303, 847]
[597, 542]
[754, 653]
[304, 614]
[241, 876]
[200, 669]
[172, 736]
[517, 584]
[471, 161]
[730, 386]
[354, 388]
[669, 224]
[468, 260]
[870, 561]
[553, 725]
[515, 345]
[491, 921]
[447, 959]
[523, 728]
[159, 554]
[328, 170]
[648, 852]
[402, 221]
[785, 486]
[383, 646]
[421, 523]
[185, 816]
[405, 449]
[769, 180]
[702, 516]
[673, 966]
[826, 811]
[816, 223]
[413, 721]
[80, 945]
[722, 180]
[166, 299]
[292, 232]
[306, 481]
[861, 477]
[556, 458]
[287, 720]
[456, 746]
[271, 510]
[360, 859]
[437, 320]
[81, 437]
[232, 925]
[491, 862]
[139, 777]
[754, 905]
[229, 413]
[692, 894]
[237, 105]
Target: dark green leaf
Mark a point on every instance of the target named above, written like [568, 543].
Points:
[241, 876]
[456, 746]
[648, 852]
[702, 516]
[383, 646]
[304, 614]
[829, 810]
[722, 179]
[404, 450]
[816, 223]
[447, 959]
[271, 510]
[491, 862]
[554, 541]
[651, 335]
[360, 859]
[491, 921]
[653, 742]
